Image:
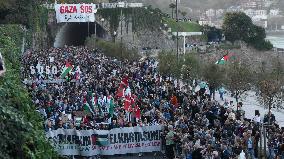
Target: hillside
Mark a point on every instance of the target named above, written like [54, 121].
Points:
[185, 4]
[182, 26]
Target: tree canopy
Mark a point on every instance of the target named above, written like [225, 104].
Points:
[238, 26]
[22, 134]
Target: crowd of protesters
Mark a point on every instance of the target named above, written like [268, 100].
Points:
[195, 125]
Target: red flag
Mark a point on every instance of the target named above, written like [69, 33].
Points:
[120, 92]
[68, 64]
[137, 112]
[124, 81]
[127, 103]
[85, 119]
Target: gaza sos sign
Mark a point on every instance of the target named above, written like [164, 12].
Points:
[75, 12]
[75, 9]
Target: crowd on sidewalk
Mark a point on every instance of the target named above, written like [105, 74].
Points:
[106, 93]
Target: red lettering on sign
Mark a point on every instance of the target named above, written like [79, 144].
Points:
[86, 9]
[68, 9]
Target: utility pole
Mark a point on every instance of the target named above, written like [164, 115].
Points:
[95, 33]
[264, 140]
[121, 33]
[177, 29]
[260, 139]
[88, 29]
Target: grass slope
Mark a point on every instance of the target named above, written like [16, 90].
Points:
[182, 26]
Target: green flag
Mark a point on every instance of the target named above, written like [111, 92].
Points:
[111, 107]
[86, 107]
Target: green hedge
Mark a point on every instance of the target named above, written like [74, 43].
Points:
[22, 134]
[112, 49]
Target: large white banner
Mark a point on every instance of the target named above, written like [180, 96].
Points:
[106, 142]
[75, 12]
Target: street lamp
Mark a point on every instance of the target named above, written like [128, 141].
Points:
[177, 27]
[114, 35]
[102, 20]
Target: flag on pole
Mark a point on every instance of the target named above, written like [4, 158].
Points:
[111, 107]
[224, 59]
[120, 92]
[68, 67]
[137, 112]
[124, 81]
[127, 103]
[87, 108]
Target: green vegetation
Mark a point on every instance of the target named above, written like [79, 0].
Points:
[182, 26]
[25, 12]
[187, 68]
[238, 26]
[22, 134]
[140, 18]
[270, 85]
[112, 49]
[235, 76]
[228, 46]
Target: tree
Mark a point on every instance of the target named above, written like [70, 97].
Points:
[190, 67]
[236, 26]
[172, 6]
[256, 37]
[16, 11]
[214, 75]
[168, 66]
[187, 68]
[270, 86]
[183, 13]
[239, 79]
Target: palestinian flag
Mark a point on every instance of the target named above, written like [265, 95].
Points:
[111, 107]
[100, 139]
[87, 108]
[68, 67]
[224, 59]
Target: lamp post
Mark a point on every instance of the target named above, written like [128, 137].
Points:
[102, 20]
[177, 27]
[114, 35]
[121, 33]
